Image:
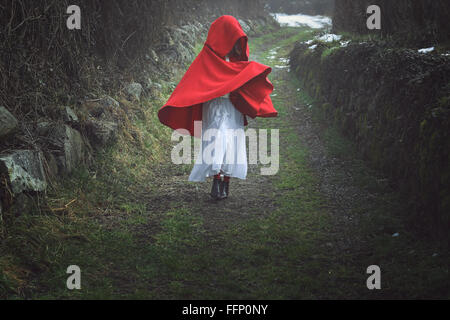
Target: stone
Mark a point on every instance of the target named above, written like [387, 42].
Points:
[185, 35]
[149, 83]
[109, 102]
[43, 127]
[51, 166]
[177, 54]
[101, 108]
[153, 55]
[67, 147]
[69, 115]
[134, 90]
[8, 122]
[244, 26]
[24, 171]
[181, 49]
[102, 132]
[102, 125]
[154, 88]
[24, 204]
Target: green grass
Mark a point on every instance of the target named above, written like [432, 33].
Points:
[329, 51]
[129, 246]
[412, 266]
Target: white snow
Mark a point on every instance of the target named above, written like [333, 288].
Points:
[329, 37]
[295, 20]
[314, 46]
[426, 50]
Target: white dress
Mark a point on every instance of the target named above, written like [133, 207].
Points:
[223, 146]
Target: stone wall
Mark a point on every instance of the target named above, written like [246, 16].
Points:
[420, 22]
[395, 104]
[46, 140]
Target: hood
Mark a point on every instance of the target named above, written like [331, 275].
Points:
[222, 36]
[210, 76]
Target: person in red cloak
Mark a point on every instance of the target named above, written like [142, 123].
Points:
[221, 89]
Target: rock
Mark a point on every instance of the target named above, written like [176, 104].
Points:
[101, 108]
[149, 83]
[24, 171]
[185, 35]
[69, 115]
[153, 55]
[154, 88]
[101, 132]
[167, 38]
[24, 204]
[7, 122]
[102, 124]
[180, 49]
[109, 102]
[177, 54]
[134, 90]
[43, 128]
[51, 167]
[244, 26]
[67, 147]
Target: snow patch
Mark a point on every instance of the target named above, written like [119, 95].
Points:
[296, 20]
[329, 37]
[426, 50]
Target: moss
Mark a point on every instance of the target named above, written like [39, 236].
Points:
[378, 115]
[329, 51]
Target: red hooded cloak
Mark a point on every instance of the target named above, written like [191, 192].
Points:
[211, 76]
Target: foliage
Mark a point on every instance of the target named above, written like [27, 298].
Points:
[420, 22]
[393, 102]
[43, 64]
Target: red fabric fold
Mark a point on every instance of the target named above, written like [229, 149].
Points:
[211, 76]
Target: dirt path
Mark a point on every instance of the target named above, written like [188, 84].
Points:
[141, 230]
[257, 202]
[309, 232]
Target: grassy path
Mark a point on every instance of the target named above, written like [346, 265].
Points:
[139, 230]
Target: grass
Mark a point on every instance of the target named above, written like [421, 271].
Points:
[135, 237]
[329, 51]
[415, 267]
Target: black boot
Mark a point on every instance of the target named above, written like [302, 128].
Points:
[224, 188]
[215, 189]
